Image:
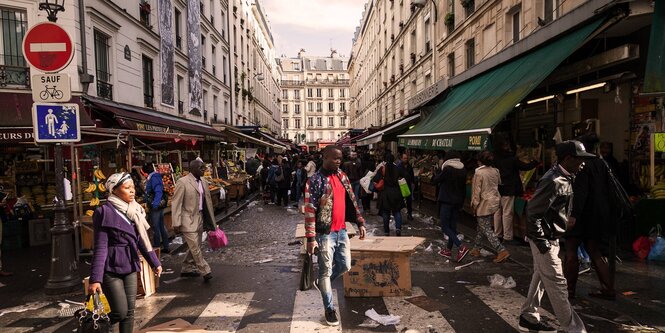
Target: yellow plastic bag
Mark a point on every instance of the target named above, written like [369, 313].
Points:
[90, 303]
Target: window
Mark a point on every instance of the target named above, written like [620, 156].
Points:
[103, 66]
[469, 7]
[342, 107]
[223, 24]
[285, 108]
[310, 121]
[144, 13]
[470, 52]
[296, 95]
[296, 109]
[331, 107]
[224, 64]
[342, 121]
[551, 9]
[297, 125]
[318, 92]
[319, 107]
[319, 121]
[331, 121]
[342, 93]
[215, 109]
[451, 64]
[309, 92]
[148, 89]
[212, 12]
[285, 94]
[213, 58]
[203, 52]
[285, 123]
[516, 27]
[310, 106]
[426, 31]
[331, 93]
[13, 26]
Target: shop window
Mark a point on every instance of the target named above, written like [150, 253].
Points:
[148, 89]
[13, 26]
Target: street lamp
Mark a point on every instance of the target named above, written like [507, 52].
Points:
[52, 7]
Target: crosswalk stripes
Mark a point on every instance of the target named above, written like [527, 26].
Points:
[507, 303]
[414, 317]
[224, 313]
[308, 313]
[150, 307]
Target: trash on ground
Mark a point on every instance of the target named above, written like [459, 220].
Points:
[252, 204]
[499, 281]
[354, 311]
[629, 293]
[369, 323]
[24, 307]
[657, 301]
[442, 288]
[426, 303]
[460, 237]
[260, 209]
[429, 249]
[486, 253]
[457, 268]
[382, 319]
[463, 282]
[2, 284]
[235, 232]
[167, 272]
[634, 326]
[177, 240]
[263, 261]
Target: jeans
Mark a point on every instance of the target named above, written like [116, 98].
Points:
[282, 196]
[120, 291]
[386, 219]
[298, 193]
[334, 260]
[449, 215]
[160, 235]
[356, 191]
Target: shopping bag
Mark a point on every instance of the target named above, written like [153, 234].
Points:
[658, 250]
[404, 187]
[95, 321]
[307, 273]
[366, 181]
[217, 239]
[642, 247]
[378, 186]
[222, 193]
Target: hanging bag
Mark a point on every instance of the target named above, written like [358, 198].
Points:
[307, 273]
[378, 186]
[217, 239]
[657, 251]
[404, 187]
[366, 181]
[95, 320]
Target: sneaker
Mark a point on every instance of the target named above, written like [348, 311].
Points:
[398, 232]
[475, 252]
[207, 277]
[331, 318]
[190, 274]
[540, 327]
[502, 256]
[461, 253]
[446, 253]
[584, 268]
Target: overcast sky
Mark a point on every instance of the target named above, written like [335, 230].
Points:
[314, 25]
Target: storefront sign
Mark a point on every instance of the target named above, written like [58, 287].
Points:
[464, 142]
[155, 128]
[14, 135]
[659, 142]
[428, 94]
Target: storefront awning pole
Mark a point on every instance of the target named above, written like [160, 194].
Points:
[74, 191]
[130, 149]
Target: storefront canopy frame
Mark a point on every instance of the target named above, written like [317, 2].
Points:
[465, 118]
[378, 136]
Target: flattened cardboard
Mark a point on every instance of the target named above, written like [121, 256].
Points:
[176, 325]
[350, 230]
[386, 244]
[378, 274]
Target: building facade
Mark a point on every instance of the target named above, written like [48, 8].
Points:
[255, 77]
[315, 98]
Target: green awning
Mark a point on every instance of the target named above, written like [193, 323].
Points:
[654, 78]
[464, 119]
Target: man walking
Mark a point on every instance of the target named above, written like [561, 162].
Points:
[329, 203]
[154, 193]
[353, 169]
[192, 213]
[410, 180]
[548, 218]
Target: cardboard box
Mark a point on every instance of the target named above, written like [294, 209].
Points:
[147, 281]
[380, 266]
[87, 234]
[176, 325]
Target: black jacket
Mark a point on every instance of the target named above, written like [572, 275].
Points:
[286, 169]
[590, 205]
[353, 169]
[509, 167]
[452, 182]
[548, 210]
[408, 171]
[390, 198]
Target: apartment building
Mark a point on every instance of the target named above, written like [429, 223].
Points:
[315, 98]
[255, 72]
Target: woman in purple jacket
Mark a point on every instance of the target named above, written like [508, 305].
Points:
[120, 231]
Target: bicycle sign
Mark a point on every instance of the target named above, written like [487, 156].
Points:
[48, 88]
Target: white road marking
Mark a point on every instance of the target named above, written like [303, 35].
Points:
[414, 317]
[148, 308]
[48, 47]
[224, 313]
[308, 313]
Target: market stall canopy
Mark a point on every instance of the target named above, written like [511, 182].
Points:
[16, 111]
[135, 118]
[654, 77]
[277, 143]
[240, 137]
[465, 118]
[398, 125]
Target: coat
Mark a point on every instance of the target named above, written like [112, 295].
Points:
[509, 167]
[452, 183]
[154, 184]
[591, 201]
[390, 198]
[117, 245]
[185, 205]
[485, 197]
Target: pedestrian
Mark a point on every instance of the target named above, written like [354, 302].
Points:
[263, 177]
[2, 272]
[548, 215]
[510, 187]
[299, 179]
[329, 203]
[192, 213]
[120, 232]
[485, 200]
[310, 167]
[354, 169]
[282, 181]
[390, 200]
[592, 222]
[368, 164]
[154, 193]
[272, 182]
[451, 179]
[406, 169]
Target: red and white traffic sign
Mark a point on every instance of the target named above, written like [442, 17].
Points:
[48, 47]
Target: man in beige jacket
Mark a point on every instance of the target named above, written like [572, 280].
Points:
[192, 213]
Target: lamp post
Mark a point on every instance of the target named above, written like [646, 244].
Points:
[434, 42]
[63, 276]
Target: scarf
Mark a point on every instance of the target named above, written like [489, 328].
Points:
[136, 214]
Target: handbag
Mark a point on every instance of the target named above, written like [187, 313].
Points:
[217, 239]
[657, 251]
[95, 321]
[378, 186]
[366, 181]
[306, 281]
[404, 187]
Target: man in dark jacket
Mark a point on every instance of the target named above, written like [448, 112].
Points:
[511, 186]
[354, 170]
[410, 178]
[548, 218]
[282, 180]
[154, 191]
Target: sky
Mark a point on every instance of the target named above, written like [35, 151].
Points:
[314, 25]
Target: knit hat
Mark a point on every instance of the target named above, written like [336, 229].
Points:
[117, 179]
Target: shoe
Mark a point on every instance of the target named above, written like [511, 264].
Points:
[540, 327]
[409, 217]
[446, 253]
[398, 232]
[387, 233]
[207, 277]
[331, 318]
[502, 256]
[606, 295]
[584, 268]
[475, 252]
[462, 252]
[190, 274]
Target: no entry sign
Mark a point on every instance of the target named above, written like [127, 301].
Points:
[48, 47]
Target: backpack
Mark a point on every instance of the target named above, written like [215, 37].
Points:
[279, 178]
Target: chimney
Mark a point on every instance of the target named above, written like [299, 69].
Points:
[301, 53]
[333, 53]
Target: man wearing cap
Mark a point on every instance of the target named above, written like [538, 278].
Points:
[192, 213]
[548, 217]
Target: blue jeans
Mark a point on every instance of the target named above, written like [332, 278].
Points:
[334, 260]
[583, 255]
[356, 191]
[386, 219]
[449, 215]
[160, 235]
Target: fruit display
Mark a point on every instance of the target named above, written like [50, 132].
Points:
[89, 212]
[166, 170]
[645, 177]
[658, 191]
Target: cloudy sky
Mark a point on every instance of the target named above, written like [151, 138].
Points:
[314, 25]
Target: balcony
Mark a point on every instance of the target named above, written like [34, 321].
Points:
[181, 107]
[14, 76]
[104, 90]
[148, 100]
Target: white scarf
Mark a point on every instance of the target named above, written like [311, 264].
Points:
[135, 213]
